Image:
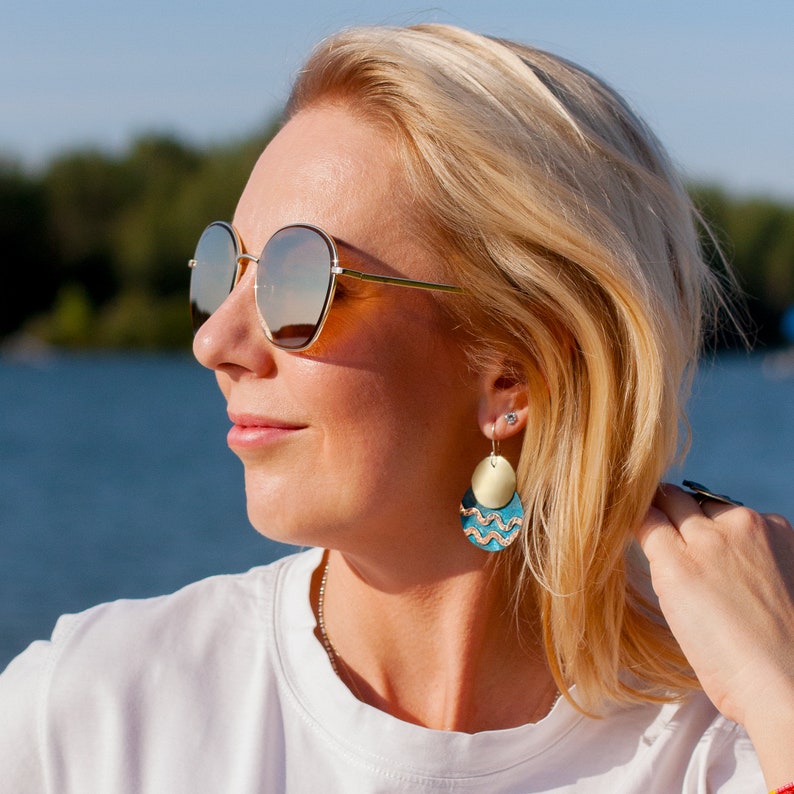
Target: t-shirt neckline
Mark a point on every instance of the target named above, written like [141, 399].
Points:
[374, 737]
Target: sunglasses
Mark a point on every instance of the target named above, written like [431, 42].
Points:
[296, 277]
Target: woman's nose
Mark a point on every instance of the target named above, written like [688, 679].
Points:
[232, 337]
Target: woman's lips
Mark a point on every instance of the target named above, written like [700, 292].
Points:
[249, 432]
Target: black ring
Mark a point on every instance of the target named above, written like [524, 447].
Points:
[703, 494]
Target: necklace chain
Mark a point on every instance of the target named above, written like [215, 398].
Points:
[337, 662]
[326, 640]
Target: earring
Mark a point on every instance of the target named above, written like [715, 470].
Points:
[511, 417]
[491, 511]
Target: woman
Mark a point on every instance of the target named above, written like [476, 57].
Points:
[503, 642]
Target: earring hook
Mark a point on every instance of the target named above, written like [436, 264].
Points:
[494, 445]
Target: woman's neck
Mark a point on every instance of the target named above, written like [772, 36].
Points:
[444, 652]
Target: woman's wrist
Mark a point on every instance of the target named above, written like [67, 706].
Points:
[769, 723]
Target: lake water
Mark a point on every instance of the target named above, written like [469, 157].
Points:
[115, 479]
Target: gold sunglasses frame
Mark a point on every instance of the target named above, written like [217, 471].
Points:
[335, 270]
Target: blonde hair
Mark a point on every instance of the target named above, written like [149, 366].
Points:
[561, 214]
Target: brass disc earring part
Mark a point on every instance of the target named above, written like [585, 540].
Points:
[494, 480]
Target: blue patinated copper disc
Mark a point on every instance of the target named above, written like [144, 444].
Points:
[490, 529]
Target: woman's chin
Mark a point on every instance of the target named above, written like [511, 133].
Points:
[282, 521]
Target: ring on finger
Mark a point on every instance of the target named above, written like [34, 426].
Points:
[703, 494]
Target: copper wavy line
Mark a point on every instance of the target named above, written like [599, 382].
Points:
[490, 518]
[484, 540]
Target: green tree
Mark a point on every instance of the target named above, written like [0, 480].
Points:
[757, 239]
[85, 192]
[28, 259]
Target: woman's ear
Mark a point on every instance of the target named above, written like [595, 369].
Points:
[504, 402]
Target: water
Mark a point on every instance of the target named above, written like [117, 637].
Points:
[115, 480]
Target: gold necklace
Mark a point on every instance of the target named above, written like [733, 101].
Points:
[333, 655]
[326, 640]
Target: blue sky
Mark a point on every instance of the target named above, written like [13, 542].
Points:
[715, 79]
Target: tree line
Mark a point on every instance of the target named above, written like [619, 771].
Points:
[96, 244]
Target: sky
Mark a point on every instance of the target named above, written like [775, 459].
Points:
[714, 79]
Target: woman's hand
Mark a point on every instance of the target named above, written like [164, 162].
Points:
[724, 576]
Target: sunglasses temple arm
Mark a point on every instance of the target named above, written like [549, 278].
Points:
[398, 282]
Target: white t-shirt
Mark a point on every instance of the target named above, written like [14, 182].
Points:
[222, 688]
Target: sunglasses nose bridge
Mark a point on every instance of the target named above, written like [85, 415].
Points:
[243, 260]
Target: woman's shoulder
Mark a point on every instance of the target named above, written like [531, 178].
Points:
[119, 637]
[145, 669]
[685, 742]
[205, 611]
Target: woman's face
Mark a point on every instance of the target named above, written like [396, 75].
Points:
[372, 433]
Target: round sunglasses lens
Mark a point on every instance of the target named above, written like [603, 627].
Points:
[293, 282]
[213, 273]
